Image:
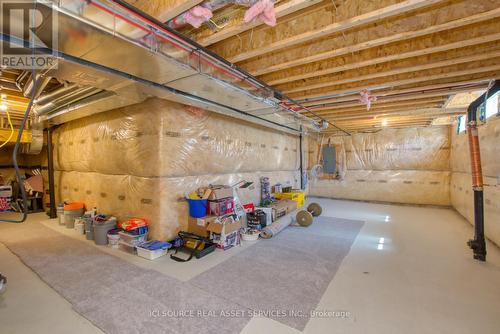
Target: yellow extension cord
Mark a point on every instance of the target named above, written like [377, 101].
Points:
[11, 130]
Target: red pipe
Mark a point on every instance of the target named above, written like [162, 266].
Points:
[180, 44]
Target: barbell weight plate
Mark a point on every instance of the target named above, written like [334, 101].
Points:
[315, 209]
[304, 218]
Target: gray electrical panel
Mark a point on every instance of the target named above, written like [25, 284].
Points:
[329, 159]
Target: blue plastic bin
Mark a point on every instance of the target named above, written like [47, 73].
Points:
[197, 207]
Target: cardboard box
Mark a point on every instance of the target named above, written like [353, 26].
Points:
[281, 208]
[221, 207]
[220, 192]
[199, 226]
[225, 232]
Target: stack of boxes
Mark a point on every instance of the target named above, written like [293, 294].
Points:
[221, 224]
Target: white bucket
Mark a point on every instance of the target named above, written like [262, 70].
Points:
[114, 240]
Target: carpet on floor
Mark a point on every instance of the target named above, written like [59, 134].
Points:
[285, 277]
[116, 296]
[282, 278]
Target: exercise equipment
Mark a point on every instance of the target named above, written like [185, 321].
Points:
[305, 217]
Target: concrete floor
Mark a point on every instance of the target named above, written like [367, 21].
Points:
[408, 271]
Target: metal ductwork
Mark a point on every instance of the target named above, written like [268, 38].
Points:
[42, 82]
[69, 97]
[111, 67]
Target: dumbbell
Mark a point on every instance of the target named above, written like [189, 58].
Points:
[305, 217]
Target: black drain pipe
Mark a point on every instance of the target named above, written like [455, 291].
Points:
[478, 244]
[50, 158]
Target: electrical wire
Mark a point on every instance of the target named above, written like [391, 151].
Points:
[11, 129]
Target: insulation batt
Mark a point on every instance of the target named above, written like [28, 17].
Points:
[142, 159]
[262, 10]
[394, 165]
[462, 196]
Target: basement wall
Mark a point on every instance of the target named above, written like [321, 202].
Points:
[408, 166]
[462, 197]
[142, 159]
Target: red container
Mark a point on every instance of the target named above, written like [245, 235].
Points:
[221, 207]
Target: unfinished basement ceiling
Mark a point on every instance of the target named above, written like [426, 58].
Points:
[413, 56]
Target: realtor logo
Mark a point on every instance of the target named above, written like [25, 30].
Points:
[29, 34]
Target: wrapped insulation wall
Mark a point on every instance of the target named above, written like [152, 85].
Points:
[462, 197]
[141, 160]
[393, 165]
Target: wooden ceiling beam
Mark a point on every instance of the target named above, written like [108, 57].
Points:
[429, 112]
[385, 59]
[468, 20]
[377, 74]
[164, 10]
[434, 106]
[362, 108]
[400, 82]
[206, 37]
[337, 27]
[380, 104]
[417, 92]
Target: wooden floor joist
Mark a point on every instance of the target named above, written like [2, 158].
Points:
[489, 15]
[429, 112]
[165, 10]
[416, 68]
[239, 27]
[386, 59]
[381, 104]
[377, 15]
[417, 92]
[357, 111]
[395, 83]
[5, 133]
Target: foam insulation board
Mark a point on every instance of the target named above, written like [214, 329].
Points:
[394, 165]
[462, 197]
[141, 160]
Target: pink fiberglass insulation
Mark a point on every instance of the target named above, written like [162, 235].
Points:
[367, 98]
[262, 10]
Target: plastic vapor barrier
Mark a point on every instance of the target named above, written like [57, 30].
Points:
[142, 159]
[394, 165]
[462, 197]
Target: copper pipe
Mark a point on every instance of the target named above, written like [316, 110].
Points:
[475, 155]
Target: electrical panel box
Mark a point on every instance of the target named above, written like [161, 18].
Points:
[329, 159]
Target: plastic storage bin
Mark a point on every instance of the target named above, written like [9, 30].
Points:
[151, 254]
[295, 195]
[101, 230]
[113, 240]
[132, 240]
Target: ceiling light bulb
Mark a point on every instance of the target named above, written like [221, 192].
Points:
[384, 122]
[4, 106]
